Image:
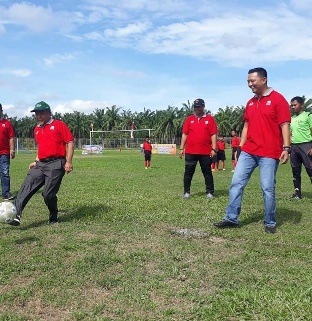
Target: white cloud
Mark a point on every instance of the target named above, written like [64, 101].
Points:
[16, 72]
[234, 39]
[38, 18]
[57, 58]
[84, 106]
[130, 29]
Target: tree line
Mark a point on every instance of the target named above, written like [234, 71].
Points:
[166, 124]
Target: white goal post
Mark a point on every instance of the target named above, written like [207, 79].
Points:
[120, 130]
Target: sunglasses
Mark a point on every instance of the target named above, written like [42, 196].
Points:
[198, 106]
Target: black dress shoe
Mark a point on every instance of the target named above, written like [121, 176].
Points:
[225, 223]
[270, 229]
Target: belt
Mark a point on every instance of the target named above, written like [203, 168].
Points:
[50, 159]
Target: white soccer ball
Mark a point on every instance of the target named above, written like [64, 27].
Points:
[7, 212]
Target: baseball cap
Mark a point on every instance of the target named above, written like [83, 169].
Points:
[41, 106]
[199, 102]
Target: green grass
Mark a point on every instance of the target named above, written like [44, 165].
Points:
[115, 255]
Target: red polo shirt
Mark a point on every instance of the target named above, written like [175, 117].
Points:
[199, 132]
[6, 132]
[52, 139]
[220, 145]
[264, 116]
[147, 146]
[235, 142]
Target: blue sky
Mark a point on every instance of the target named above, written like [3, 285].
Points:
[79, 55]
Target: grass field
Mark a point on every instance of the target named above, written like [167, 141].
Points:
[117, 253]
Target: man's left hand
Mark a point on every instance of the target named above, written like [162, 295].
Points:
[284, 157]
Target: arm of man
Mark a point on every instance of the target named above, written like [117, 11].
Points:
[242, 140]
[69, 157]
[213, 145]
[12, 147]
[286, 142]
[182, 146]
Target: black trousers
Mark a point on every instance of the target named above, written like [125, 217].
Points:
[190, 166]
[50, 176]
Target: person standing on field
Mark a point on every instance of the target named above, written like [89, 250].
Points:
[199, 139]
[54, 159]
[301, 144]
[7, 152]
[234, 144]
[147, 150]
[221, 152]
[265, 143]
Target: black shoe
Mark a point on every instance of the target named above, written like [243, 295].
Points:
[270, 229]
[225, 223]
[53, 222]
[9, 197]
[296, 195]
[16, 221]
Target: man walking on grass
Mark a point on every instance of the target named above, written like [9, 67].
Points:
[265, 143]
[301, 143]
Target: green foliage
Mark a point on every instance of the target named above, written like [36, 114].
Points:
[114, 257]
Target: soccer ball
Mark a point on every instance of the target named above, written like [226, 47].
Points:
[7, 212]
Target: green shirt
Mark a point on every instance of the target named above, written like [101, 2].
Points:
[300, 127]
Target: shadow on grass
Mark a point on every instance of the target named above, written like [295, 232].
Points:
[283, 215]
[80, 213]
[217, 193]
[28, 239]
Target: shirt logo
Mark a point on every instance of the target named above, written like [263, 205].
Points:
[52, 128]
[192, 121]
[3, 125]
[250, 104]
[206, 122]
[268, 103]
[37, 132]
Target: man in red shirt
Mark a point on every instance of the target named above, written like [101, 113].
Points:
[234, 144]
[199, 138]
[54, 159]
[147, 150]
[264, 142]
[7, 151]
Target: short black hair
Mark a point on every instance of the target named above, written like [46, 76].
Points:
[0, 106]
[299, 99]
[260, 71]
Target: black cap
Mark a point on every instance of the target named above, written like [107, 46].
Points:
[199, 102]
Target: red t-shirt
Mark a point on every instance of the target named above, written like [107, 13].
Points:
[264, 117]
[199, 132]
[147, 146]
[235, 142]
[52, 139]
[220, 145]
[6, 132]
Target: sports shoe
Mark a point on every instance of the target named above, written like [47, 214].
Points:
[209, 196]
[145, 167]
[232, 171]
[270, 229]
[16, 221]
[296, 195]
[186, 195]
[223, 169]
[224, 224]
[9, 197]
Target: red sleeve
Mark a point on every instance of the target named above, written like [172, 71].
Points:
[186, 124]
[11, 130]
[213, 126]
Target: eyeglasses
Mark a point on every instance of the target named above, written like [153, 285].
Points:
[198, 107]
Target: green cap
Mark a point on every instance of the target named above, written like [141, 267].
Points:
[41, 106]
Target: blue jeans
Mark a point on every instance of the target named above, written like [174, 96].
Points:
[5, 174]
[245, 167]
